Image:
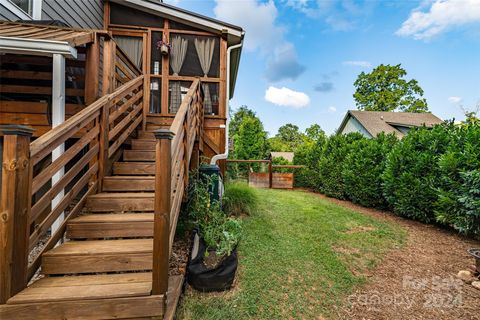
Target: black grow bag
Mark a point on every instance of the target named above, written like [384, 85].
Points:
[204, 279]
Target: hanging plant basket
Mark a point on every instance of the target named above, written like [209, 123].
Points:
[164, 47]
[212, 273]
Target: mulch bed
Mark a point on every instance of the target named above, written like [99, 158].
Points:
[180, 252]
[419, 280]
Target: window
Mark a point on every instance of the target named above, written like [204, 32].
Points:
[25, 5]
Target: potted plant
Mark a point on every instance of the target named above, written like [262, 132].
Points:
[214, 259]
[164, 47]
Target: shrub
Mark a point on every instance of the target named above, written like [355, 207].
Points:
[363, 169]
[239, 199]
[220, 232]
[330, 164]
[308, 154]
[412, 174]
[458, 203]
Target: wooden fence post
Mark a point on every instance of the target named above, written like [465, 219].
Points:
[15, 209]
[161, 237]
[270, 174]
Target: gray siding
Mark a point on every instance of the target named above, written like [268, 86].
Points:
[86, 14]
[7, 15]
[353, 125]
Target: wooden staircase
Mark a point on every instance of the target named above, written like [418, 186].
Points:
[105, 266]
[103, 270]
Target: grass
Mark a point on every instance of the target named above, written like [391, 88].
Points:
[239, 199]
[300, 257]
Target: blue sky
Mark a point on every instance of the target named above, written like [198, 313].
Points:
[301, 57]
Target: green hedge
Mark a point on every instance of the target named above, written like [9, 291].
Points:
[363, 169]
[431, 175]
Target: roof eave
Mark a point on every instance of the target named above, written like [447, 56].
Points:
[36, 47]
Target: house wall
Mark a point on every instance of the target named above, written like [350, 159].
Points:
[353, 125]
[6, 14]
[87, 14]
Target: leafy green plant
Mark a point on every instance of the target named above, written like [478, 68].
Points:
[220, 232]
[239, 199]
[412, 175]
[459, 168]
[330, 164]
[363, 168]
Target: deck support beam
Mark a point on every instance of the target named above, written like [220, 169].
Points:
[58, 117]
[161, 237]
[14, 209]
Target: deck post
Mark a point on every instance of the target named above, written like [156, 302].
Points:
[161, 237]
[15, 209]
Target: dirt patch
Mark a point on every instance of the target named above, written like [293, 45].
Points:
[418, 281]
[360, 229]
[180, 252]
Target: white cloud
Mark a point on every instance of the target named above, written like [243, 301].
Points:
[287, 97]
[263, 33]
[332, 109]
[442, 16]
[455, 100]
[363, 64]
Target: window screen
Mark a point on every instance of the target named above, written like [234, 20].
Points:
[177, 92]
[155, 95]
[127, 16]
[210, 98]
[156, 57]
[190, 65]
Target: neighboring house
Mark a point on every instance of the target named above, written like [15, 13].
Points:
[286, 155]
[371, 123]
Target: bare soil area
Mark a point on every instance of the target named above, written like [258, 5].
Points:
[418, 281]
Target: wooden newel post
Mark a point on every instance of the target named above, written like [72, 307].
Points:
[161, 237]
[15, 209]
[270, 174]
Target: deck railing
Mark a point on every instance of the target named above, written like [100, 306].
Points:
[40, 182]
[176, 148]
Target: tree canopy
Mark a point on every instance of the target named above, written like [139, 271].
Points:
[249, 136]
[385, 89]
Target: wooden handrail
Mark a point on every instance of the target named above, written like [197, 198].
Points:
[175, 148]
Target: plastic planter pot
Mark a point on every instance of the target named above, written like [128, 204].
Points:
[476, 254]
[205, 279]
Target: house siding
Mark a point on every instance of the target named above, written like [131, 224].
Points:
[86, 14]
[353, 125]
[7, 15]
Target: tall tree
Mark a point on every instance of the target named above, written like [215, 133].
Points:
[314, 132]
[385, 89]
[237, 118]
[290, 136]
[250, 140]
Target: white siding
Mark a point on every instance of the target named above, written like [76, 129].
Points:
[353, 125]
[87, 14]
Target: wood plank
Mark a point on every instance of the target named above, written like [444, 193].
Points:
[128, 183]
[35, 107]
[143, 144]
[124, 136]
[120, 202]
[175, 284]
[122, 225]
[39, 90]
[51, 289]
[138, 155]
[99, 256]
[133, 168]
[149, 306]
[24, 119]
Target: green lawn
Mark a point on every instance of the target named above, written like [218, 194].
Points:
[300, 257]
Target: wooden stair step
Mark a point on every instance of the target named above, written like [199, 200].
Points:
[138, 155]
[120, 202]
[85, 287]
[121, 225]
[99, 256]
[134, 168]
[146, 134]
[143, 144]
[128, 183]
[79, 303]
